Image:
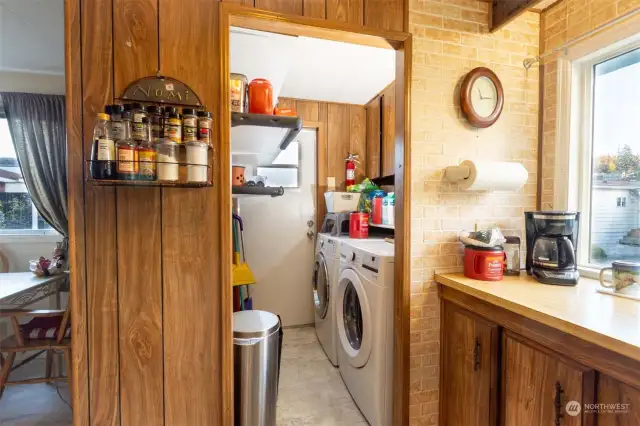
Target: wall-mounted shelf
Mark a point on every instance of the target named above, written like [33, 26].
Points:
[262, 136]
[182, 182]
[384, 180]
[293, 124]
[273, 191]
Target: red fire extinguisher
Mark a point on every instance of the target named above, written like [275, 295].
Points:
[350, 166]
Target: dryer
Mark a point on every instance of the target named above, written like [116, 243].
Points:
[364, 313]
[326, 270]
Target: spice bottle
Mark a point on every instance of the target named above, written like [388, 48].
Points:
[156, 122]
[197, 160]
[168, 111]
[168, 168]
[116, 121]
[173, 131]
[189, 125]
[146, 154]
[103, 165]
[139, 112]
[204, 126]
[127, 112]
[127, 154]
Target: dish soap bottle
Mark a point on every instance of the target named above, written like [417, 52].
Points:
[389, 209]
[103, 156]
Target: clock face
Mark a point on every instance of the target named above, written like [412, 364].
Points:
[484, 96]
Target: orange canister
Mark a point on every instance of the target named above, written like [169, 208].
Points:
[260, 96]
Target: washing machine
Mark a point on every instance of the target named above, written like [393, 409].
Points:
[325, 275]
[364, 314]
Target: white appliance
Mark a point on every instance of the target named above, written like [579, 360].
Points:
[326, 272]
[364, 313]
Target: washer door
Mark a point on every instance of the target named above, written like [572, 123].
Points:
[354, 318]
[321, 290]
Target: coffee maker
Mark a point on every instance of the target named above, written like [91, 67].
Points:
[552, 240]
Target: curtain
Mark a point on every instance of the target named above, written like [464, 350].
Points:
[38, 129]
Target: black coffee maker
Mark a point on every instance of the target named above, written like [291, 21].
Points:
[552, 240]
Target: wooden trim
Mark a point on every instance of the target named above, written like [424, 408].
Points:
[256, 19]
[379, 93]
[503, 23]
[286, 98]
[321, 159]
[540, 135]
[232, 14]
[588, 354]
[79, 383]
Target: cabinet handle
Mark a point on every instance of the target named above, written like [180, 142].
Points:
[476, 355]
[558, 403]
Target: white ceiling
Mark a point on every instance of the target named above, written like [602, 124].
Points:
[310, 68]
[32, 36]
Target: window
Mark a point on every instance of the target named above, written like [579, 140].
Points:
[605, 129]
[18, 215]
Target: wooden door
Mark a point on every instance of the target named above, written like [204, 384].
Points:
[542, 388]
[469, 369]
[374, 137]
[622, 403]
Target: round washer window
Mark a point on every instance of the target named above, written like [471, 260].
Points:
[352, 316]
[320, 286]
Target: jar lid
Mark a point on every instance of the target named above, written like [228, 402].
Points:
[170, 110]
[174, 116]
[196, 143]
[204, 114]
[188, 111]
[137, 105]
[154, 109]
[103, 116]
[127, 107]
[108, 109]
[167, 142]
[496, 249]
[117, 109]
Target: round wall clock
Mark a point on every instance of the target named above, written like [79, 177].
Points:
[481, 97]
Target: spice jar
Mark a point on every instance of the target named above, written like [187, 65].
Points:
[238, 92]
[260, 96]
[204, 126]
[173, 129]
[116, 122]
[127, 112]
[197, 160]
[127, 164]
[156, 121]
[167, 160]
[189, 125]
[138, 112]
[512, 256]
[146, 154]
[168, 111]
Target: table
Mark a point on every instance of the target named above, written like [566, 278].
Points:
[18, 289]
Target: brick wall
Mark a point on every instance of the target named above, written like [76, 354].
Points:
[451, 38]
[565, 21]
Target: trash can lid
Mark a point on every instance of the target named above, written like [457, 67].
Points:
[249, 324]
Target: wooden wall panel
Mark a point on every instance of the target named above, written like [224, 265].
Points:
[338, 138]
[314, 8]
[242, 2]
[351, 11]
[309, 110]
[191, 220]
[100, 224]
[358, 138]
[79, 382]
[135, 38]
[385, 14]
[374, 137]
[292, 7]
[388, 130]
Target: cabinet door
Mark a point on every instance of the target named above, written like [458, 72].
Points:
[374, 137]
[469, 369]
[539, 386]
[388, 130]
[622, 403]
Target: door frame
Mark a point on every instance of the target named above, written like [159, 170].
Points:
[242, 16]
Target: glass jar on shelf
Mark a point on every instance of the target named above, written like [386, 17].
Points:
[167, 160]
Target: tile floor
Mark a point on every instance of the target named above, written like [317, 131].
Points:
[311, 390]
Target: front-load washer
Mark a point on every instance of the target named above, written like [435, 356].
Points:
[364, 313]
[325, 275]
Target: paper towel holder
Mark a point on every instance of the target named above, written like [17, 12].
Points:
[472, 176]
[457, 173]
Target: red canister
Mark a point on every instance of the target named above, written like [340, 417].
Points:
[483, 263]
[260, 96]
[376, 209]
[359, 225]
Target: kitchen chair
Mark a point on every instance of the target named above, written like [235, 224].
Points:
[48, 330]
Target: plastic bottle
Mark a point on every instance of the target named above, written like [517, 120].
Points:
[128, 165]
[389, 209]
[103, 152]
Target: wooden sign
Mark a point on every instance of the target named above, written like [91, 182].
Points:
[164, 90]
[504, 11]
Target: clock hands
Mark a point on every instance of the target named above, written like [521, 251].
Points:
[482, 98]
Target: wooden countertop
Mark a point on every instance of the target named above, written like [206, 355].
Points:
[608, 321]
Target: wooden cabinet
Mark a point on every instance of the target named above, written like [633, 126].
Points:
[374, 137]
[388, 130]
[539, 385]
[381, 119]
[621, 403]
[469, 369]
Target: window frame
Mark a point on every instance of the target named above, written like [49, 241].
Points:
[574, 128]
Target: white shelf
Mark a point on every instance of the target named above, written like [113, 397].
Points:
[375, 225]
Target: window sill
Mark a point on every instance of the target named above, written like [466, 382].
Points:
[593, 273]
[30, 238]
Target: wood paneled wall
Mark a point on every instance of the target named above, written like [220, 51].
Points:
[148, 334]
[380, 14]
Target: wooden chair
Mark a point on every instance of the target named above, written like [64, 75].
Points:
[47, 331]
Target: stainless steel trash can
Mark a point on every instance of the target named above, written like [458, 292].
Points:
[256, 351]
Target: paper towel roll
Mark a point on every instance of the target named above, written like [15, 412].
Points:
[493, 176]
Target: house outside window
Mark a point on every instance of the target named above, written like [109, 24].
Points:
[18, 215]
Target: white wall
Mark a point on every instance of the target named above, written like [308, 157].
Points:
[29, 82]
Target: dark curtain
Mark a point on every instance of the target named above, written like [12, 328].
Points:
[38, 129]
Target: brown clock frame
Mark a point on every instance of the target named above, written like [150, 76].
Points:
[465, 97]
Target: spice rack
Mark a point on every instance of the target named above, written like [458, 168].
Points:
[181, 182]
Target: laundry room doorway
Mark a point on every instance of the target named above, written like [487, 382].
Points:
[279, 235]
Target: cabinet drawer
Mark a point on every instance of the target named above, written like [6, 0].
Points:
[469, 369]
[539, 386]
